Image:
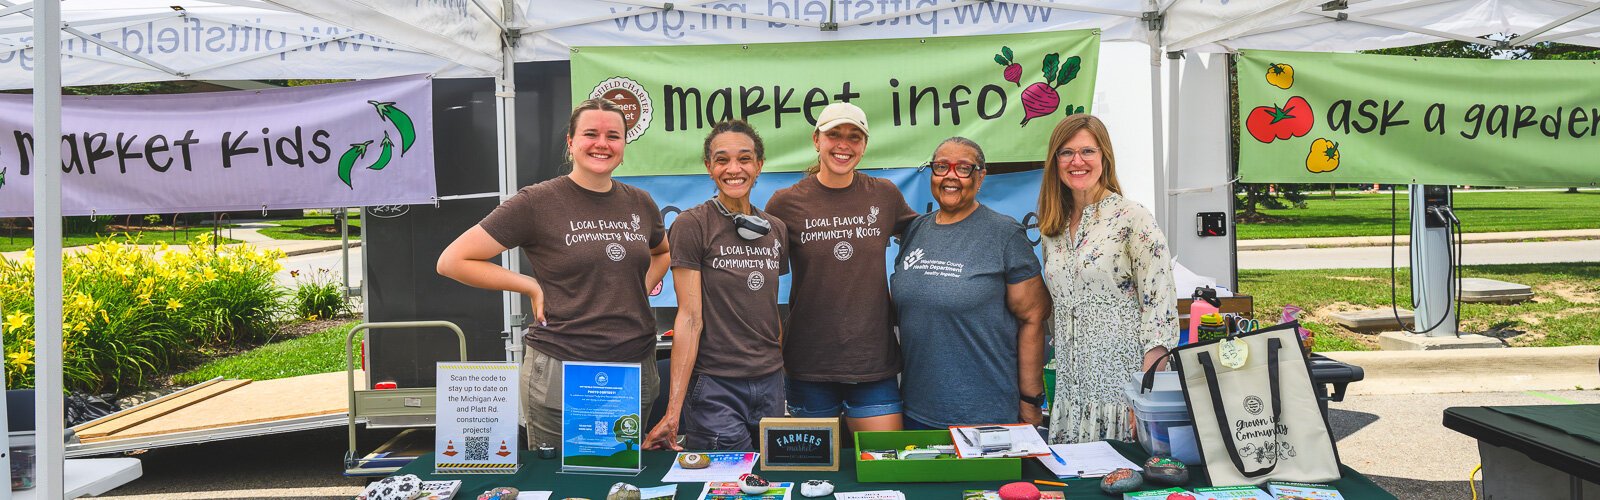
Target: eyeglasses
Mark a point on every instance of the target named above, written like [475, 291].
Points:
[963, 170]
[1088, 154]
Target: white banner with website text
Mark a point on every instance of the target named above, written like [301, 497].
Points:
[338, 145]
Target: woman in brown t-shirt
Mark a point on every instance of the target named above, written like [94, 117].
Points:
[840, 352]
[727, 359]
[588, 239]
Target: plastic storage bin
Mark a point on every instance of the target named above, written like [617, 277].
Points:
[22, 452]
[1164, 425]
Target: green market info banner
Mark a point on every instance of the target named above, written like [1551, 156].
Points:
[1004, 91]
[1352, 118]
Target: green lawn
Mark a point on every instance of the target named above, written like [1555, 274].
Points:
[311, 227]
[1480, 212]
[319, 352]
[23, 239]
[1564, 311]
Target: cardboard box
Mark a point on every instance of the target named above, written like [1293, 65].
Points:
[948, 470]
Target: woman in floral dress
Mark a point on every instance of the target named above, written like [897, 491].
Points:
[1109, 273]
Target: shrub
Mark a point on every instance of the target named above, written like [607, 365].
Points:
[318, 296]
[130, 312]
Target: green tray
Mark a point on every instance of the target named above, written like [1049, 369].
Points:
[926, 471]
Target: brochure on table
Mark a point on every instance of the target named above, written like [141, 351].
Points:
[1092, 459]
[600, 424]
[477, 407]
[730, 491]
[726, 466]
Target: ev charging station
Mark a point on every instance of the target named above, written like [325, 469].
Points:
[1434, 263]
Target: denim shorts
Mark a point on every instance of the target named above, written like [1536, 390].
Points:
[855, 399]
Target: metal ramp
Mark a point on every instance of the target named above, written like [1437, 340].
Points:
[218, 410]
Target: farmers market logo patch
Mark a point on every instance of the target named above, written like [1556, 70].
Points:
[632, 98]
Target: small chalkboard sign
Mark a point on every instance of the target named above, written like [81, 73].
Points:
[810, 444]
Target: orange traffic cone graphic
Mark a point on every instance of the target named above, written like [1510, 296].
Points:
[503, 451]
[450, 448]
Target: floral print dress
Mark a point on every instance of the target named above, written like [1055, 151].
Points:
[1114, 300]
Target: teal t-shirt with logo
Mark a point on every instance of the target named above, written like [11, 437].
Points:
[958, 338]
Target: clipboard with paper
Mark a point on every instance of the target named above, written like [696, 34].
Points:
[1021, 438]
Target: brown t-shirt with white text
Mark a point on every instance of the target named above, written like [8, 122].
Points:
[738, 291]
[590, 252]
[839, 312]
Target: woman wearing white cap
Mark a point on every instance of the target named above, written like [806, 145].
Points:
[839, 350]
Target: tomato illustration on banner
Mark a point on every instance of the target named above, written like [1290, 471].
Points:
[1293, 119]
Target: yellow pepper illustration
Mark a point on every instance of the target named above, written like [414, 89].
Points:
[1280, 75]
[1324, 156]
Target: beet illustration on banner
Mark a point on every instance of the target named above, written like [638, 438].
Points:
[1041, 99]
[1293, 119]
[1013, 71]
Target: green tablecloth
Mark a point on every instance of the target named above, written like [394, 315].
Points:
[541, 475]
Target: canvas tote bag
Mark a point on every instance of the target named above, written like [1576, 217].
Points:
[1259, 421]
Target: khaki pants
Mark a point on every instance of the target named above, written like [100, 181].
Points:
[541, 395]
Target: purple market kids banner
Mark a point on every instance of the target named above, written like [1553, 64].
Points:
[337, 145]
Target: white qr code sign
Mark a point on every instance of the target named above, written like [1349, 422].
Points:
[477, 405]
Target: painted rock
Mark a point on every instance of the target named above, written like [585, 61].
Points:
[752, 484]
[1166, 470]
[816, 488]
[623, 491]
[500, 493]
[694, 460]
[1019, 491]
[394, 488]
[1121, 481]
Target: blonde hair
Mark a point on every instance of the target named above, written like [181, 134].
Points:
[1055, 198]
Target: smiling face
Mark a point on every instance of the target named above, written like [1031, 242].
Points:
[1080, 171]
[733, 164]
[955, 194]
[596, 142]
[840, 148]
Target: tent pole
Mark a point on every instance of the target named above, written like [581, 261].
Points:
[1158, 158]
[1174, 101]
[505, 110]
[48, 282]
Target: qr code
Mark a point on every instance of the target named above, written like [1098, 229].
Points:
[477, 448]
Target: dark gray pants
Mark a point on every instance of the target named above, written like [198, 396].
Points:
[723, 413]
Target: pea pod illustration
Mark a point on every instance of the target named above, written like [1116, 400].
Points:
[348, 160]
[402, 123]
[385, 155]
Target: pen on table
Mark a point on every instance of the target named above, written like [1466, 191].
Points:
[1057, 456]
[1050, 483]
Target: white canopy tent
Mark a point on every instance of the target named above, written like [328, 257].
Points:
[245, 39]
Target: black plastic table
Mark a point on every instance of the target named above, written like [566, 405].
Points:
[1565, 438]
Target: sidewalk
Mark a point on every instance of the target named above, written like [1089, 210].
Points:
[252, 237]
[1513, 369]
[1383, 241]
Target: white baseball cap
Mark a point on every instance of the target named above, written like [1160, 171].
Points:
[840, 113]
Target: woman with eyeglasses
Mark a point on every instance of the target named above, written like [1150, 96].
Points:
[727, 359]
[971, 306]
[1109, 272]
[840, 351]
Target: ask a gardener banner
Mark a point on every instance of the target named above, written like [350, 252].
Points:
[1004, 91]
[338, 145]
[1351, 118]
